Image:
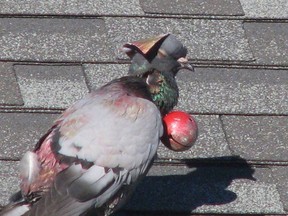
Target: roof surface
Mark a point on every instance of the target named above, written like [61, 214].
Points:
[53, 52]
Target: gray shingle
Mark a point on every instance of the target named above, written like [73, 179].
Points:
[204, 187]
[210, 143]
[272, 9]
[32, 39]
[194, 7]
[208, 189]
[227, 90]
[100, 74]
[205, 39]
[197, 189]
[21, 131]
[9, 180]
[280, 175]
[216, 90]
[258, 137]
[74, 7]
[268, 42]
[9, 90]
[45, 86]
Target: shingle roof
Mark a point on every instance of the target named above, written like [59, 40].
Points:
[54, 52]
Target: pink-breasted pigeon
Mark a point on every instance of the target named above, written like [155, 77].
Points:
[99, 148]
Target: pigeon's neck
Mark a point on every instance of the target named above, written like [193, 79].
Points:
[164, 90]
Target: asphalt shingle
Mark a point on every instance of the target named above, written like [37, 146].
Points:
[240, 108]
[9, 90]
[234, 91]
[208, 189]
[195, 7]
[21, 131]
[9, 180]
[100, 74]
[258, 137]
[268, 42]
[280, 175]
[74, 7]
[32, 39]
[213, 40]
[45, 86]
[211, 141]
[265, 9]
[216, 90]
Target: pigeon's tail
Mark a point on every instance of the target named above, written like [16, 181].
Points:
[15, 209]
[17, 206]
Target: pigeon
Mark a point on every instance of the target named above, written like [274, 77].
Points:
[97, 151]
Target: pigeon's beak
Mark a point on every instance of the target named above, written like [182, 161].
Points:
[183, 61]
[145, 46]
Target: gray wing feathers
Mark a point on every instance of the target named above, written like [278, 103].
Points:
[121, 143]
[15, 210]
[112, 137]
[86, 187]
[76, 191]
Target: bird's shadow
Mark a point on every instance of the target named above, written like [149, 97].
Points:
[206, 184]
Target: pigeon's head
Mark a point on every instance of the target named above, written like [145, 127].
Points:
[157, 60]
[165, 53]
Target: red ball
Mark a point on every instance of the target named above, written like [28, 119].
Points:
[180, 131]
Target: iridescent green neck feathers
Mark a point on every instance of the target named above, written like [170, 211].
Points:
[164, 90]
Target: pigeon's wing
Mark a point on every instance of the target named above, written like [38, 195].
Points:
[102, 143]
[110, 130]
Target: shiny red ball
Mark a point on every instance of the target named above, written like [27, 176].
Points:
[180, 131]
